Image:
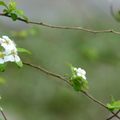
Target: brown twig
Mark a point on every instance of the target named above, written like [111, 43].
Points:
[63, 27]
[68, 81]
[47, 72]
[1, 110]
[113, 115]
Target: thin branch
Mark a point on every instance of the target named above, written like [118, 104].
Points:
[113, 115]
[68, 81]
[63, 27]
[93, 99]
[47, 72]
[1, 110]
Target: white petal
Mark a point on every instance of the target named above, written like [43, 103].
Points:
[17, 58]
[1, 61]
[83, 77]
[5, 37]
[11, 58]
[6, 58]
[78, 74]
[1, 40]
[79, 69]
[75, 69]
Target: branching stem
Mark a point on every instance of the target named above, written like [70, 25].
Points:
[113, 115]
[56, 75]
[68, 81]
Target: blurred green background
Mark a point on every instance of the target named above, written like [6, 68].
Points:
[31, 94]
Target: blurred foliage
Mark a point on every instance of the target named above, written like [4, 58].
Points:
[35, 95]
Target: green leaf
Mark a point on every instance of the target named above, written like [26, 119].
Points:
[112, 99]
[14, 16]
[20, 64]
[109, 105]
[25, 17]
[84, 87]
[69, 64]
[23, 50]
[12, 5]
[117, 17]
[76, 85]
[2, 67]
[5, 11]
[19, 12]
[111, 108]
[85, 81]
[72, 68]
[2, 80]
[116, 104]
[67, 76]
[2, 3]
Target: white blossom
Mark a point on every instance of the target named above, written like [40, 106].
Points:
[80, 72]
[10, 50]
[2, 55]
[1, 40]
[7, 43]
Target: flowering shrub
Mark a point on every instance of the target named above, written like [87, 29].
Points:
[9, 53]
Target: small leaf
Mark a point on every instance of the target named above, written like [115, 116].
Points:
[76, 85]
[2, 3]
[12, 5]
[19, 12]
[67, 76]
[5, 11]
[2, 67]
[117, 17]
[23, 50]
[110, 106]
[14, 16]
[2, 80]
[116, 104]
[69, 64]
[20, 64]
[25, 17]
[112, 99]
[72, 68]
[84, 87]
[85, 81]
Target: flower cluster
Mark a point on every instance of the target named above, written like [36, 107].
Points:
[8, 50]
[80, 72]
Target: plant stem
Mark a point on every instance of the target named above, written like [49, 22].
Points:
[1, 110]
[113, 115]
[68, 81]
[63, 27]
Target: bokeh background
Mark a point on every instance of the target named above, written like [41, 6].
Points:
[30, 94]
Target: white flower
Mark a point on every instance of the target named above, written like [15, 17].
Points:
[1, 40]
[80, 72]
[10, 50]
[8, 43]
[2, 55]
[12, 56]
